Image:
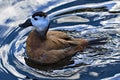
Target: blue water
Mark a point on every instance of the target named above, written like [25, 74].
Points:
[78, 18]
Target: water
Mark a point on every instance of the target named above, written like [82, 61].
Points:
[77, 19]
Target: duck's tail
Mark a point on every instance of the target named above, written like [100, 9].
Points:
[98, 41]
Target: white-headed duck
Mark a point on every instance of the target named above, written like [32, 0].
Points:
[49, 47]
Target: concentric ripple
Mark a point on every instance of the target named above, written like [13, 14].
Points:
[14, 54]
[88, 25]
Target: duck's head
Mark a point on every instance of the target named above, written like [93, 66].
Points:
[40, 21]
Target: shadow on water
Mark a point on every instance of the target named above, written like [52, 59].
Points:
[48, 67]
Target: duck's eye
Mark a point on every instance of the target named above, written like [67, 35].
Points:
[35, 19]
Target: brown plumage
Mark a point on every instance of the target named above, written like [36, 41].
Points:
[56, 46]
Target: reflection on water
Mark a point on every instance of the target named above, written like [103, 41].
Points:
[88, 23]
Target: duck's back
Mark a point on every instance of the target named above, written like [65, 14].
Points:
[55, 40]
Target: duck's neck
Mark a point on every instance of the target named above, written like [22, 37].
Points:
[43, 33]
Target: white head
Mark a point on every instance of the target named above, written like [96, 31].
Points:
[40, 21]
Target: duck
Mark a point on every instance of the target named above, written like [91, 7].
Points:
[50, 46]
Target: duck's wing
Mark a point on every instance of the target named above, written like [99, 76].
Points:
[59, 34]
[53, 56]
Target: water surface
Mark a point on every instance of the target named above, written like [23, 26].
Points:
[84, 19]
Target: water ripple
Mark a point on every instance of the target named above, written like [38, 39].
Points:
[92, 25]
